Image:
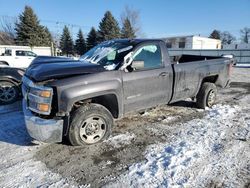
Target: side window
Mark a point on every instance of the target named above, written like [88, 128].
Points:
[29, 53]
[20, 53]
[147, 57]
[8, 53]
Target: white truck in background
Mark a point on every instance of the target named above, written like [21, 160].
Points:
[17, 58]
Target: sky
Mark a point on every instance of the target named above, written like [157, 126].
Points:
[158, 18]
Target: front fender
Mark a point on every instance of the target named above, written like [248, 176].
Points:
[69, 96]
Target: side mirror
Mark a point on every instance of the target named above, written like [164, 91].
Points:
[127, 60]
[138, 65]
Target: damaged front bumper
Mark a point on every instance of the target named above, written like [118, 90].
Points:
[45, 130]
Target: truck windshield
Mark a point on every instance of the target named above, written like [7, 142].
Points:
[108, 54]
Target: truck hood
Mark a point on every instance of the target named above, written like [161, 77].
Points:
[46, 68]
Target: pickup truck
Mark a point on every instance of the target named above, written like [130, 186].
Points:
[78, 100]
[17, 58]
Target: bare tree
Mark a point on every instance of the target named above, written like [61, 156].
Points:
[7, 25]
[134, 18]
[227, 38]
[7, 29]
[245, 34]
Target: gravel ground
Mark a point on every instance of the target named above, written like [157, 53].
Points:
[168, 146]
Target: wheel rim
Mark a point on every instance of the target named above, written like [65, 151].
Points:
[7, 93]
[93, 129]
[211, 98]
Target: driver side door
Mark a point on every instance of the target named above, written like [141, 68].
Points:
[146, 85]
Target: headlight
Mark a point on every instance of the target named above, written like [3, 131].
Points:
[43, 107]
[42, 92]
[40, 99]
[46, 94]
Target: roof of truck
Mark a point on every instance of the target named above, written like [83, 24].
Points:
[135, 41]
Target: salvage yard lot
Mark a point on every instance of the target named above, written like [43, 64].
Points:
[167, 146]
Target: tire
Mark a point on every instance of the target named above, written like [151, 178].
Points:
[9, 92]
[90, 124]
[207, 95]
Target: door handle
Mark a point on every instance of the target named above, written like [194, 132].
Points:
[163, 74]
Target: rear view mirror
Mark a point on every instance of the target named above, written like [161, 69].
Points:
[138, 65]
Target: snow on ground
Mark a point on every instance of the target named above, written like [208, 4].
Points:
[120, 140]
[17, 167]
[243, 65]
[213, 151]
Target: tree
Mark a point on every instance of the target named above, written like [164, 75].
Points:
[5, 39]
[29, 31]
[215, 34]
[108, 28]
[7, 30]
[80, 44]
[227, 38]
[46, 35]
[127, 30]
[66, 42]
[134, 18]
[245, 34]
[92, 38]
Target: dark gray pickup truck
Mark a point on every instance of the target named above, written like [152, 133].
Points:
[78, 100]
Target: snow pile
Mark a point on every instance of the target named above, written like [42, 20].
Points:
[120, 140]
[201, 155]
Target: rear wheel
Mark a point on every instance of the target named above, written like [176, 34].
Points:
[8, 92]
[207, 95]
[90, 124]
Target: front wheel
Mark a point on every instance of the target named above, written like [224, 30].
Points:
[90, 124]
[207, 95]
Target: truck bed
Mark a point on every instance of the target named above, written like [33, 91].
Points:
[190, 71]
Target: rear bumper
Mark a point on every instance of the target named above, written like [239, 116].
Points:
[45, 130]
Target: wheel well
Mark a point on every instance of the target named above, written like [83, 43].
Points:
[109, 101]
[4, 63]
[211, 79]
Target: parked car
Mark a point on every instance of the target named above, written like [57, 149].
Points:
[17, 58]
[80, 99]
[10, 84]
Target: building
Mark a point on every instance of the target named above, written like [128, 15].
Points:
[192, 42]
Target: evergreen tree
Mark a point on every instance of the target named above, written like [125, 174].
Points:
[29, 31]
[80, 45]
[92, 38]
[215, 34]
[66, 42]
[127, 30]
[108, 28]
[46, 36]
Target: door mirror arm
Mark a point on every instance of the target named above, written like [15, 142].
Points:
[127, 61]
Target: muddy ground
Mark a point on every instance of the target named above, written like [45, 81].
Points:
[96, 165]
